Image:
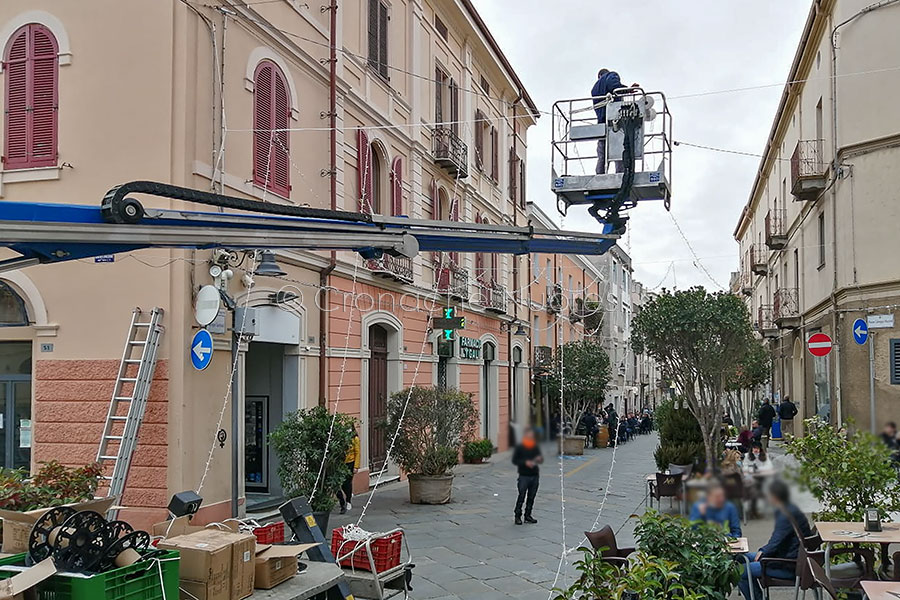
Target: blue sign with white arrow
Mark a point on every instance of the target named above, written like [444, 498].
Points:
[201, 349]
[860, 331]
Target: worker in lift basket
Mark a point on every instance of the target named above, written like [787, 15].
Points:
[607, 82]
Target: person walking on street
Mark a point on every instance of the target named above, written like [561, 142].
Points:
[352, 461]
[787, 411]
[766, 417]
[527, 457]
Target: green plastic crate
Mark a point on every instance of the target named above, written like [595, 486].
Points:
[135, 582]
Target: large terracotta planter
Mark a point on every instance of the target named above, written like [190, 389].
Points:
[430, 490]
[573, 445]
[602, 438]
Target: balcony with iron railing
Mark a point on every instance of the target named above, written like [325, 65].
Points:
[554, 298]
[786, 308]
[808, 170]
[776, 229]
[451, 280]
[765, 322]
[759, 260]
[450, 152]
[398, 268]
[746, 286]
[492, 296]
[543, 357]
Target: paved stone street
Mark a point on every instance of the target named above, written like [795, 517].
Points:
[470, 548]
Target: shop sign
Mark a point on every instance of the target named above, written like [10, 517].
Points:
[469, 348]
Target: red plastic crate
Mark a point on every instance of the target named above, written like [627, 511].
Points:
[385, 551]
[273, 533]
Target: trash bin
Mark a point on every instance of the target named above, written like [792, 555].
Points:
[776, 429]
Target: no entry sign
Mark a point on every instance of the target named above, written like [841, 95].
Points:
[819, 344]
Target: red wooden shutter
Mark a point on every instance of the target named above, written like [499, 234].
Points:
[262, 123]
[397, 186]
[280, 177]
[32, 68]
[479, 139]
[364, 169]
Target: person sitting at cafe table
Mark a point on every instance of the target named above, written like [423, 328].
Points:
[715, 508]
[782, 544]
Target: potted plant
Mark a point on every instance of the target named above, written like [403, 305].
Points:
[430, 425]
[53, 485]
[476, 452]
[300, 441]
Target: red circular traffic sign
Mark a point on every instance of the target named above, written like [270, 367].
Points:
[819, 344]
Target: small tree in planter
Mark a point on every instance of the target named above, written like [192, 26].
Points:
[581, 373]
[430, 426]
[299, 441]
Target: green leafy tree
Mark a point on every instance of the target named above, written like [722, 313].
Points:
[753, 371]
[581, 372]
[699, 552]
[300, 441]
[699, 338]
[846, 472]
[433, 424]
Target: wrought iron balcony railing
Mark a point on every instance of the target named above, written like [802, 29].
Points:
[759, 260]
[399, 268]
[492, 296]
[451, 280]
[776, 229]
[765, 322]
[786, 308]
[808, 170]
[450, 152]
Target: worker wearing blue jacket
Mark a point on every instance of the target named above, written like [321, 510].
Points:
[607, 82]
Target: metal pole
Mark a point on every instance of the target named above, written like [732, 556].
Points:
[872, 380]
[235, 423]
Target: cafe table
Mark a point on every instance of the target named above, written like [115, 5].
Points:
[881, 590]
[854, 533]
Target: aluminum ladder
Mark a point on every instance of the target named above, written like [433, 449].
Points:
[132, 389]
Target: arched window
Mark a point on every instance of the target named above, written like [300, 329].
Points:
[377, 195]
[31, 63]
[12, 308]
[271, 138]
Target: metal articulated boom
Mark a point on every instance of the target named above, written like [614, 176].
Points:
[49, 233]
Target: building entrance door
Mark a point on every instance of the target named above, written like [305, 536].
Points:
[378, 390]
[15, 404]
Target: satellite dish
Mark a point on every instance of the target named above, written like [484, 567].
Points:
[208, 304]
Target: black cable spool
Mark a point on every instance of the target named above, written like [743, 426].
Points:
[45, 531]
[121, 552]
[117, 529]
[81, 541]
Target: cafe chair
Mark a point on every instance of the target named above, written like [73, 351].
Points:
[605, 541]
[667, 486]
[767, 581]
[734, 491]
[818, 574]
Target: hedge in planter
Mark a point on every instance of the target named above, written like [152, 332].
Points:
[54, 484]
[477, 451]
[299, 441]
[430, 425]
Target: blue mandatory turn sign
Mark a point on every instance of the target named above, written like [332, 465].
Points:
[860, 331]
[201, 349]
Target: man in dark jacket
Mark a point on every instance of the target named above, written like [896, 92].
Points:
[782, 544]
[527, 456]
[787, 411]
[607, 82]
[766, 417]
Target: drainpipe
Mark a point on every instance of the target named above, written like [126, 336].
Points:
[325, 273]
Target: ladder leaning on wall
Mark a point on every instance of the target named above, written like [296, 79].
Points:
[129, 398]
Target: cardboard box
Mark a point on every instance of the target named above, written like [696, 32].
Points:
[276, 564]
[17, 525]
[219, 564]
[16, 586]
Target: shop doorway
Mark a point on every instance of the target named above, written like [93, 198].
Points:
[15, 404]
[263, 411]
[487, 391]
[378, 392]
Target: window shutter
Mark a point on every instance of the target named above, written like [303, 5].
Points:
[383, 40]
[373, 33]
[493, 278]
[262, 123]
[364, 167]
[895, 362]
[280, 177]
[16, 152]
[397, 187]
[43, 97]
[513, 173]
[479, 139]
[454, 216]
[454, 107]
[438, 97]
[435, 201]
[495, 155]
[522, 198]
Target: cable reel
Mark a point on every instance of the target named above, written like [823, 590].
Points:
[125, 550]
[45, 531]
[80, 542]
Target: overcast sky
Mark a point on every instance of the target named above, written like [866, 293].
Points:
[679, 47]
